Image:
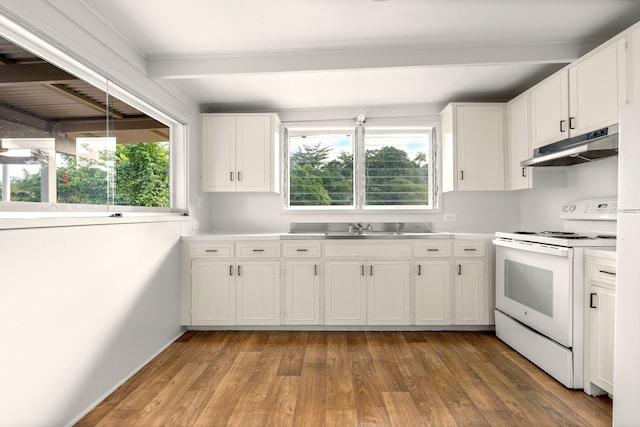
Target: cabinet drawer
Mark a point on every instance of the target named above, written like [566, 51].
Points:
[601, 270]
[367, 250]
[432, 249]
[469, 248]
[258, 250]
[302, 249]
[211, 250]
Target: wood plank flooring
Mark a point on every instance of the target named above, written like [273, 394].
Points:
[303, 378]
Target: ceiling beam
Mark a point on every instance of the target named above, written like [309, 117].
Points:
[182, 67]
[18, 74]
[93, 125]
[78, 97]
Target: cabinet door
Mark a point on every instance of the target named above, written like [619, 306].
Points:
[388, 287]
[258, 293]
[469, 293]
[601, 332]
[597, 89]
[480, 147]
[253, 153]
[519, 142]
[212, 293]
[549, 110]
[302, 292]
[345, 293]
[218, 153]
[433, 293]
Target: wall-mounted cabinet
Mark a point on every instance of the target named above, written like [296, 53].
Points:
[240, 152]
[583, 97]
[473, 149]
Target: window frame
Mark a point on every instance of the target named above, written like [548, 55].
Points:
[359, 181]
[69, 214]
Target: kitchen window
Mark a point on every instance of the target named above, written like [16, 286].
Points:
[73, 141]
[358, 168]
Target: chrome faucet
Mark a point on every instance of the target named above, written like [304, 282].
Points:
[355, 227]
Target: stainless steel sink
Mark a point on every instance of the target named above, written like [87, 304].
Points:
[356, 230]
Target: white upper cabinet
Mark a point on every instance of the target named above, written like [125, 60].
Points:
[519, 147]
[239, 152]
[583, 97]
[473, 146]
[598, 88]
[550, 110]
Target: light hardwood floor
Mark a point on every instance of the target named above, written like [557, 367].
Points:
[277, 378]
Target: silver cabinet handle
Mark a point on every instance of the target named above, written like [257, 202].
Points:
[433, 250]
[211, 250]
[239, 176]
[231, 270]
[371, 270]
[301, 250]
[239, 271]
[258, 250]
[591, 304]
[231, 176]
[459, 269]
[315, 269]
[362, 270]
[572, 121]
[607, 272]
[419, 270]
[461, 175]
[563, 127]
[470, 249]
[524, 172]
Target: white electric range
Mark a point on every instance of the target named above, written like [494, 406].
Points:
[540, 287]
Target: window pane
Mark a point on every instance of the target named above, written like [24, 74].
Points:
[321, 170]
[64, 140]
[397, 169]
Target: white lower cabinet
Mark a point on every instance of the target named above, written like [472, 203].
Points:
[213, 293]
[600, 295]
[388, 287]
[345, 287]
[427, 282]
[258, 293]
[367, 293]
[601, 332]
[471, 287]
[433, 292]
[302, 292]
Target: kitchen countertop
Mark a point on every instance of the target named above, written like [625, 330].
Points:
[321, 236]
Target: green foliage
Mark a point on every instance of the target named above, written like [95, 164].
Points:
[141, 178]
[391, 177]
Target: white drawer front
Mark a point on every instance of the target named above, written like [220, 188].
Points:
[469, 248]
[302, 249]
[213, 250]
[432, 249]
[601, 270]
[368, 250]
[258, 250]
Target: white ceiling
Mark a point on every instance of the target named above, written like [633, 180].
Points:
[298, 54]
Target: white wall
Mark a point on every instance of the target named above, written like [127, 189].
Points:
[481, 212]
[540, 208]
[81, 308]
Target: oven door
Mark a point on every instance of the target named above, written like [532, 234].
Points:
[534, 285]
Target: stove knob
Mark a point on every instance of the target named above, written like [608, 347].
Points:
[565, 208]
[572, 208]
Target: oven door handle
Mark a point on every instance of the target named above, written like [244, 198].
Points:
[535, 247]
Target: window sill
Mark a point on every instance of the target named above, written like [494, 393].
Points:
[15, 220]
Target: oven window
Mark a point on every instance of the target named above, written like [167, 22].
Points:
[530, 286]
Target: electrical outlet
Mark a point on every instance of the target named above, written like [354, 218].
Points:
[449, 217]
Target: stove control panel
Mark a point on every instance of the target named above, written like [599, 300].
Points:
[604, 209]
